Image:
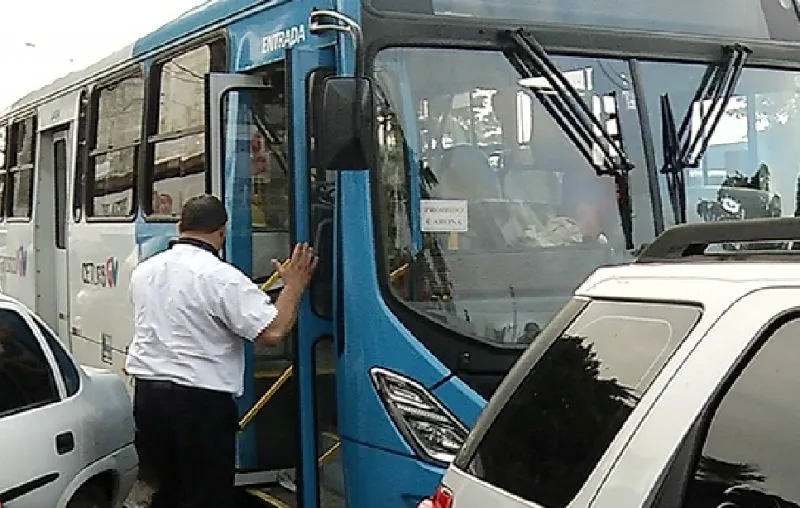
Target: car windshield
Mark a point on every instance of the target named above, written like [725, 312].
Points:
[492, 216]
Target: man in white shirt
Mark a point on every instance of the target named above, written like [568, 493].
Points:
[192, 314]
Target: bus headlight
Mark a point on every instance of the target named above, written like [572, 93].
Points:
[430, 428]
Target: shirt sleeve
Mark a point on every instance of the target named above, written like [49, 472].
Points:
[243, 307]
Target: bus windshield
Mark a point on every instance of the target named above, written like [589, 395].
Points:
[492, 215]
[730, 18]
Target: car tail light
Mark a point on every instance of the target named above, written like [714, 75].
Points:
[429, 427]
[442, 498]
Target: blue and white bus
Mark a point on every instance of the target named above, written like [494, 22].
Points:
[461, 165]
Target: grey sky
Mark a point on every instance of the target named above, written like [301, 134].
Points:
[79, 30]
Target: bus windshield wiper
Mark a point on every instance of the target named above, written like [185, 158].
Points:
[601, 150]
[684, 149]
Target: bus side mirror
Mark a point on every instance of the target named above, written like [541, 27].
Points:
[344, 124]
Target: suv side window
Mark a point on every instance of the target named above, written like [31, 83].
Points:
[547, 438]
[26, 380]
[750, 454]
[65, 364]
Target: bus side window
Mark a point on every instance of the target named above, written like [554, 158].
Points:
[322, 184]
[20, 168]
[176, 139]
[111, 172]
[80, 158]
[3, 159]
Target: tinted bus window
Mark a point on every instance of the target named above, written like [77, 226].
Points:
[548, 437]
[729, 18]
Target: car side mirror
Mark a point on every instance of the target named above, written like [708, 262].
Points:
[344, 124]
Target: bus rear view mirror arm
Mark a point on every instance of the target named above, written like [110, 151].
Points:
[344, 124]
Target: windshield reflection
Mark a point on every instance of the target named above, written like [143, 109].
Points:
[750, 169]
[764, 19]
[493, 217]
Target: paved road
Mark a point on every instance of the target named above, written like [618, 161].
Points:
[140, 496]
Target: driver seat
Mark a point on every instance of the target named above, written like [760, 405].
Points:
[465, 173]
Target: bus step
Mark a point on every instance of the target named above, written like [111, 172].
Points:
[274, 496]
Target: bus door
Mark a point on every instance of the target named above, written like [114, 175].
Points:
[58, 169]
[50, 233]
[258, 157]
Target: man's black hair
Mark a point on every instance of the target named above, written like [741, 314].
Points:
[203, 214]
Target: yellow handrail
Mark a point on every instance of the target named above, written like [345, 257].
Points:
[274, 501]
[274, 277]
[325, 457]
[248, 417]
[398, 272]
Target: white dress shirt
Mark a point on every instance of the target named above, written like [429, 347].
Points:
[192, 314]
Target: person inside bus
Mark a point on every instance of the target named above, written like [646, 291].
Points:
[583, 213]
[193, 313]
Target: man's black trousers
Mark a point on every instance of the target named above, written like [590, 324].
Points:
[186, 441]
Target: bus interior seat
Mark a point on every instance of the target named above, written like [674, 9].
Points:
[465, 173]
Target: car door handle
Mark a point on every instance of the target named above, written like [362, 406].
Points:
[65, 442]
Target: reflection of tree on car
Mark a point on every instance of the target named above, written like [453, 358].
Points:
[722, 484]
[567, 406]
[23, 375]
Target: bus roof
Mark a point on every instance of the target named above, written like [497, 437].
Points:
[194, 21]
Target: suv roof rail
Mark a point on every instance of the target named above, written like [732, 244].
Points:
[688, 241]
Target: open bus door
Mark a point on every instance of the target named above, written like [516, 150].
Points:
[258, 144]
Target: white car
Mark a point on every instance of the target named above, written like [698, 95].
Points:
[66, 432]
[669, 382]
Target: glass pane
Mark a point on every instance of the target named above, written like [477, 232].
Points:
[119, 115]
[24, 136]
[112, 188]
[750, 455]
[477, 147]
[25, 376]
[750, 167]
[548, 437]
[331, 473]
[178, 173]
[22, 192]
[67, 367]
[255, 159]
[182, 98]
[60, 177]
[730, 18]
[3, 145]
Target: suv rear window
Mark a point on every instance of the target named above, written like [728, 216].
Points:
[552, 431]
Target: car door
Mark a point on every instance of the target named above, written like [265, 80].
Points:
[38, 421]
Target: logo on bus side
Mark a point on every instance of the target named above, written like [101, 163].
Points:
[17, 264]
[283, 39]
[101, 274]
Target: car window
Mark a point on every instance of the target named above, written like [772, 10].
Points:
[26, 380]
[750, 454]
[65, 364]
[558, 422]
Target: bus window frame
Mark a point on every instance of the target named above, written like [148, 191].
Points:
[132, 71]
[3, 165]
[217, 43]
[12, 166]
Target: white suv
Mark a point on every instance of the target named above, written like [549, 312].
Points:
[669, 382]
[66, 432]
